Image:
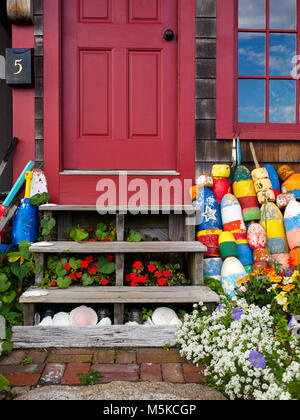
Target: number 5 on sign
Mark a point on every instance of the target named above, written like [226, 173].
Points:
[19, 65]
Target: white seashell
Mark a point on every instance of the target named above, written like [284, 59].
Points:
[104, 322]
[149, 321]
[83, 316]
[176, 321]
[46, 322]
[35, 293]
[131, 323]
[163, 316]
[62, 319]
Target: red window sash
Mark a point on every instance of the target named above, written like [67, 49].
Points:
[227, 125]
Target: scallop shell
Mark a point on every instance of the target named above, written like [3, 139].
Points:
[104, 322]
[163, 316]
[83, 316]
[176, 321]
[62, 319]
[46, 322]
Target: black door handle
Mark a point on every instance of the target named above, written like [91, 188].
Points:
[169, 35]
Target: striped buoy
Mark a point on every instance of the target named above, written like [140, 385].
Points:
[274, 179]
[272, 222]
[227, 245]
[245, 253]
[221, 187]
[210, 238]
[243, 189]
[212, 267]
[231, 214]
[292, 224]
[232, 271]
[208, 210]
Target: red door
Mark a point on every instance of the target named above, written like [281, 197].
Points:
[119, 85]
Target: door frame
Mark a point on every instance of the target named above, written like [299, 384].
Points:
[71, 187]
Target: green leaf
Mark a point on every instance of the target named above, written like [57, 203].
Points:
[64, 282]
[9, 297]
[20, 270]
[101, 227]
[14, 256]
[47, 225]
[133, 236]
[4, 283]
[74, 263]
[78, 234]
[87, 280]
[4, 383]
[105, 266]
[39, 199]
[60, 271]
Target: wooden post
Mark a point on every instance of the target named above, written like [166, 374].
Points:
[28, 310]
[20, 12]
[39, 260]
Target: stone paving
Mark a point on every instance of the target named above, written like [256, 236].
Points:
[62, 366]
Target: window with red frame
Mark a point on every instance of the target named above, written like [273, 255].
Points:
[258, 44]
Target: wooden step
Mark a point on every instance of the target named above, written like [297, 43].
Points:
[124, 294]
[117, 247]
[97, 337]
[120, 209]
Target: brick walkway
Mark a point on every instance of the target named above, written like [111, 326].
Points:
[62, 366]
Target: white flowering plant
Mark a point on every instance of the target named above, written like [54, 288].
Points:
[248, 354]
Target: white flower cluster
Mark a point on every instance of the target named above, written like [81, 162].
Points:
[223, 344]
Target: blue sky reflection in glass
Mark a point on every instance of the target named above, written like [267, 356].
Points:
[283, 14]
[252, 54]
[282, 51]
[282, 100]
[251, 101]
[252, 14]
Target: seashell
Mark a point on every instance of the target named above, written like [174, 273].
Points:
[62, 319]
[149, 321]
[163, 316]
[132, 323]
[104, 322]
[46, 322]
[176, 321]
[83, 316]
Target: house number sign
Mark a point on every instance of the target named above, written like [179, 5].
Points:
[19, 66]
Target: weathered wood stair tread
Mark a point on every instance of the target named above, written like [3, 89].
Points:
[118, 247]
[125, 294]
[119, 209]
[112, 336]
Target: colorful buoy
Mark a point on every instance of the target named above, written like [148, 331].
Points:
[261, 255]
[284, 198]
[221, 187]
[256, 236]
[295, 258]
[292, 224]
[221, 171]
[231, 214]
[262, 185]
[282, 259]
[227, 245]
[272, 222]
[232, 271]
[208, 210]
[212, 267]
[210, 238]
[243, 189]
[273, 178]
[245, 254]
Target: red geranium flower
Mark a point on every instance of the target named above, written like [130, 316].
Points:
[68, 267]
[110, 257]
[53, 284]
[92, 240]
[89, 259]
[78, 275]
[93, 270]
[133, 275]
[161, 282]
[137, 265]
[167, 273]
[107, 239]
[84, 264]
[72, 276]
[90, 230]
[104, 282]
[158, 275]
[151, 268]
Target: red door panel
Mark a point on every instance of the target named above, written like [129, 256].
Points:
[119, 85]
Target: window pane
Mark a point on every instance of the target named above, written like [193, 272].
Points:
[251, 101]
[252, 14]
[252, 54]
[282, 101]
[282, 51]
[283, 14]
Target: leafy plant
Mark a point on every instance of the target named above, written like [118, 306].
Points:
[47, 224]
[78, 234]
[90, 378]
[4, 383]
[133, 236]
[26, 361]
[39, 199]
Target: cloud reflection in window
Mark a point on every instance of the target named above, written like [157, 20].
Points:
[251, 101]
